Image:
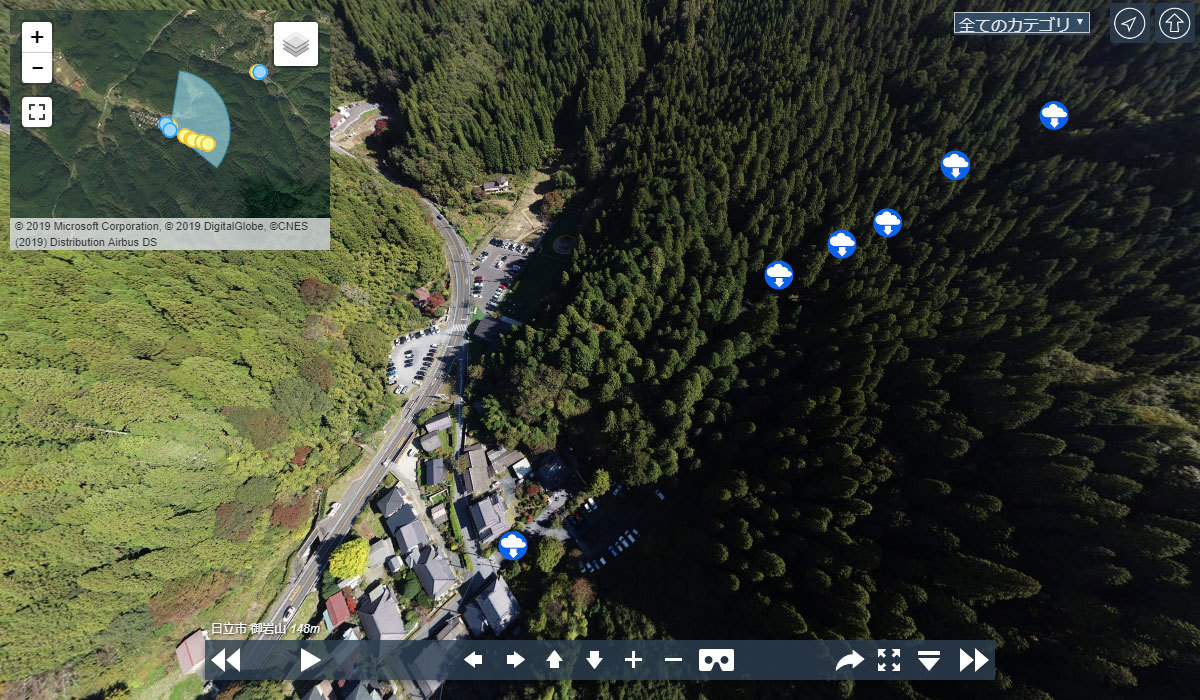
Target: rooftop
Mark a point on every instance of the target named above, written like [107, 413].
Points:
[430, 441]
[190, 652]
[488, 517]
[336, 609]
[439, 422]
[381, 617]
[434, 573]
[435, 471]
[391, 501]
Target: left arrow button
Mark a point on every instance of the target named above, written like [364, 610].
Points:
[219, 659]
[474, 659]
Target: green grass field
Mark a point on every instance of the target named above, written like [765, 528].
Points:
[187, 689]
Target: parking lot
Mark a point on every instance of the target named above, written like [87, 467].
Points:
[420, 348]
[506, 253]
[600, 527]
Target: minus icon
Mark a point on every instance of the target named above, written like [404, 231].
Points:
[673, 658]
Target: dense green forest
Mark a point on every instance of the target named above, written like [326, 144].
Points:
[983, 428]
[165, 416]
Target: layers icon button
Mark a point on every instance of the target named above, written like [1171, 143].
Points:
[296, 44]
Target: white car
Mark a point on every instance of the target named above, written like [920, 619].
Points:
[287, 614]
[333, 508]
[411, 451]
[403, 389]
[602, 562]
[624, 542]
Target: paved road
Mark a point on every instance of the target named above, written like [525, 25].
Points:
[398, 431]
[357, 109]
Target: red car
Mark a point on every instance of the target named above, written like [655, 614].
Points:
[478, 277]
[503, 287]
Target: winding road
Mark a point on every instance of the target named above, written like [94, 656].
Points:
[333, 530]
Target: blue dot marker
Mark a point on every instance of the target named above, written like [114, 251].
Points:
[168, 127]
[1054, 115]
[842, 244]
[955, 165]
[513, 545]
[258, 71]
[887, 222]
[778, 275]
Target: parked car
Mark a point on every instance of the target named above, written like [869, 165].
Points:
[402, 389]
[592, 502]
[612, 551]
[602, 562]
[660, 495]
[624, 542]
[582, 567]
[617, 489]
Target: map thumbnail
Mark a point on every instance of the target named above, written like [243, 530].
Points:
[129, 90]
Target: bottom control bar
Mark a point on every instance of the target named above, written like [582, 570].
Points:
[740, 660]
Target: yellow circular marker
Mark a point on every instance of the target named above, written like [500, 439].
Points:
[200, 142]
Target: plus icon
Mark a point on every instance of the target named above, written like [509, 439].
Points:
[37, 36]
[633, 659]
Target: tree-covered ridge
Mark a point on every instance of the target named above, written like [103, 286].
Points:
[485, 87]
[165, 414]
[983, 428]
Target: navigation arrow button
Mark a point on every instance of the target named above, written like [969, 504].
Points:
[219, 659]
[554, 659]
[235, 659]
[514, 659]
[474, 659]
[308, 660]
[964, 660]
[593, 658]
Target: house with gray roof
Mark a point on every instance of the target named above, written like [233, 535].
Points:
[507, 460]
[439, 422]
[476, 477]
[499, 605]
[379, 552]
[429, 442]
[435, 471]
[380, 616]
[391, 501]
[408, 531]
[488, 517]
[434, 573]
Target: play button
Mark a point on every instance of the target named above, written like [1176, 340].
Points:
[308, 660]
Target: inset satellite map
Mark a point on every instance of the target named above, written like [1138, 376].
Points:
[258, 145]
